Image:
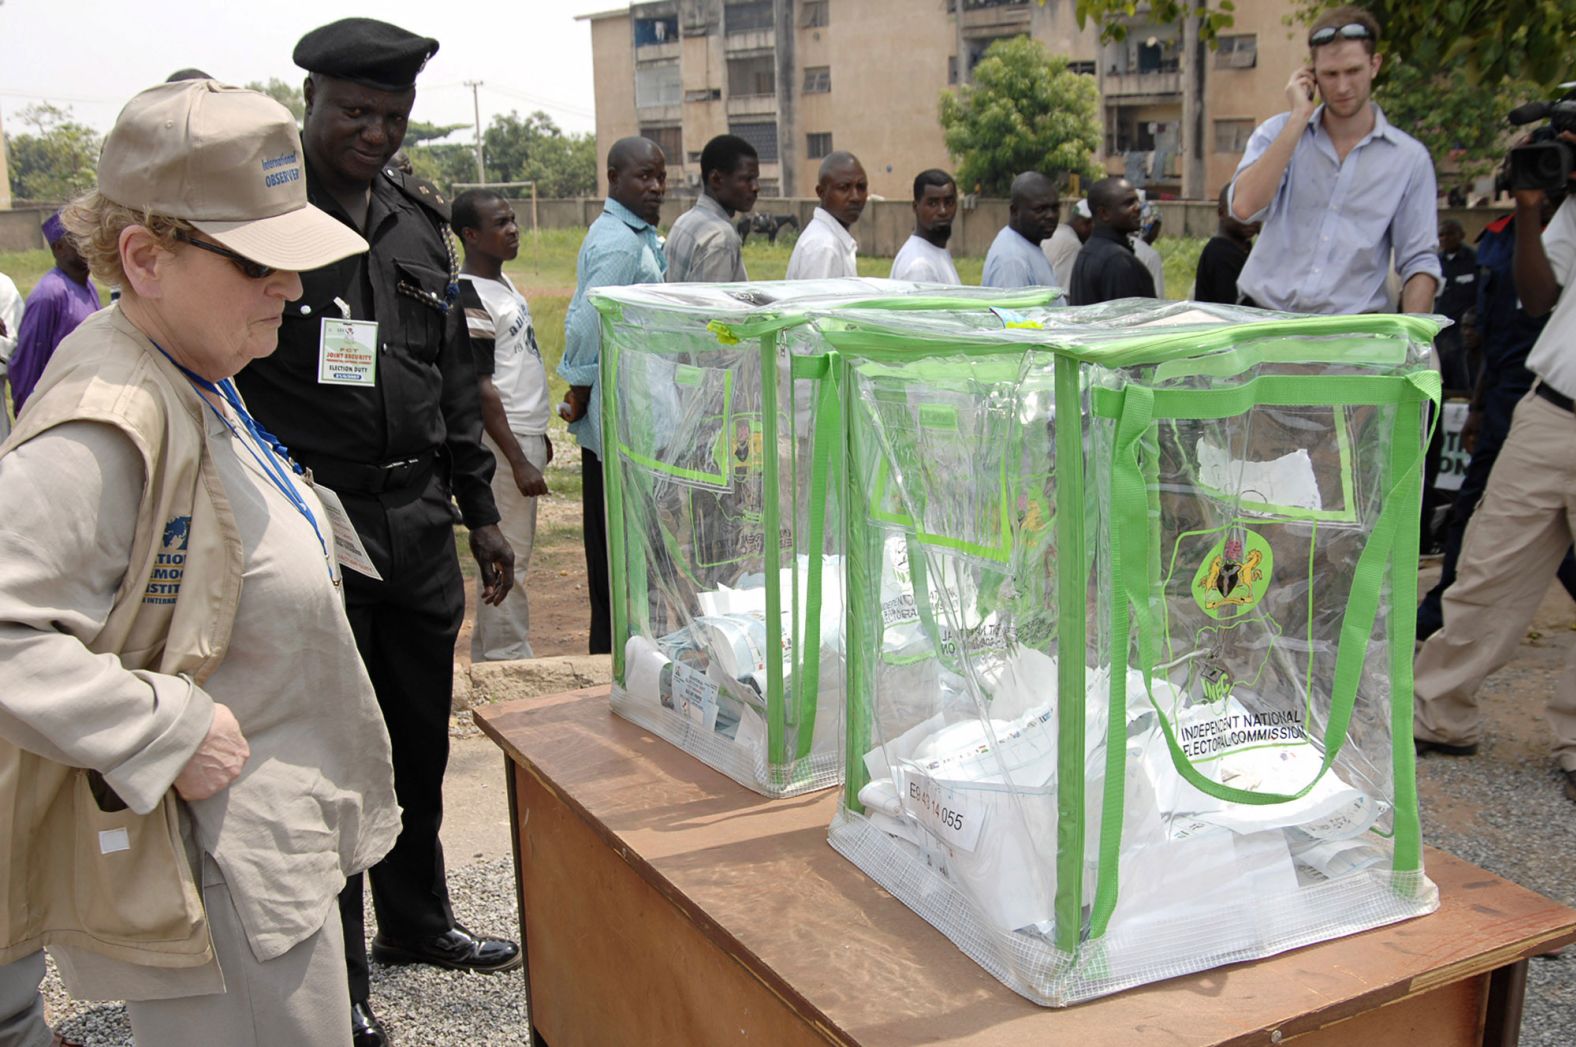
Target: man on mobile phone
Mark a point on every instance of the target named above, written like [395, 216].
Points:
[1340, 192]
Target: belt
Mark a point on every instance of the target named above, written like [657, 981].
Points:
[1558, 399]
[360, 478]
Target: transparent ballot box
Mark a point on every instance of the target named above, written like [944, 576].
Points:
[722, 446]
[1130, 596]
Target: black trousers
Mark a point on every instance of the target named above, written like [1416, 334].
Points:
[405, 629]
[1498, 406]
[593, 522]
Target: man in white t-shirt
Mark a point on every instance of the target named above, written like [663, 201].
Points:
[1144, 244]
[826, 248]
[1524, 522]
[514, 404]
[924, 257]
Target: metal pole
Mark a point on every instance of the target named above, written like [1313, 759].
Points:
[536, 229]
[481, 172]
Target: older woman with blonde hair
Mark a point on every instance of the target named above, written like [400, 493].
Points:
[191, 756]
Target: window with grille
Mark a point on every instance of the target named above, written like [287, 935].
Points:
[670, 139]
[1231, 136]
[813, 14]
[818, 145]
[817, 79]
[761, 134]
[1240, 51]
[747, 17]
[752, 75]
[658, 83]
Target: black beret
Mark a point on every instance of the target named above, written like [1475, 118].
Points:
[367, 52]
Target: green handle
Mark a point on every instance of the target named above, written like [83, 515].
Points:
[1129, 500]
[824, 457]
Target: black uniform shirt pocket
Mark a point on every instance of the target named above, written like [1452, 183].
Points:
[422, 293]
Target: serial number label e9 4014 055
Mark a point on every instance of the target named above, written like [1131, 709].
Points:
[953, 816]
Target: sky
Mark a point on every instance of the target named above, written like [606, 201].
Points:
[93, 55]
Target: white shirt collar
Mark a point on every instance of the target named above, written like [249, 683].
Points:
[843, 236]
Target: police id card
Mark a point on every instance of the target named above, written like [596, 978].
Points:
[347, 352]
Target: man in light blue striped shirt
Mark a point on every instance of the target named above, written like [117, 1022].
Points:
[1338, 189]
[621, 248]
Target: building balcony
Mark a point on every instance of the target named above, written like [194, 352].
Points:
[649, 113]
[750, 40]
[995, 18]
[1148, 85]
[657, 52]
[752, 105]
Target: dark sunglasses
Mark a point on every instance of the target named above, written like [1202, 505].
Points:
[251, 269]
[1349, 31]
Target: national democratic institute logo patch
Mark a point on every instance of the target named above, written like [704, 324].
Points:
[169, 567]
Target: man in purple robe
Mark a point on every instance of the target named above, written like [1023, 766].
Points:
[63, 298]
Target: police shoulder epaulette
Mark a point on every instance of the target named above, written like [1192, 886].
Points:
[421, 191]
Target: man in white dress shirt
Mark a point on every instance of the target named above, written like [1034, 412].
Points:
[924, 257]
[826, 248]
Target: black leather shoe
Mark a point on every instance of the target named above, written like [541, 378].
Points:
[457, 949]
[1444, 748]
[1570, 785]
[365, 1029]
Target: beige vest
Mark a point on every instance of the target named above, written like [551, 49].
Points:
[138, 903]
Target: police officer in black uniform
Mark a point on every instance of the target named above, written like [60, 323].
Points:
[372, 388]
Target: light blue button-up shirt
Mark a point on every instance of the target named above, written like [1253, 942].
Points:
[620, 248]
[1331, 228]
[1013, 261]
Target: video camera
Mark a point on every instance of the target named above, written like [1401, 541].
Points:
[1546, 161]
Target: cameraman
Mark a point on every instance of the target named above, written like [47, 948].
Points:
[1525, 522]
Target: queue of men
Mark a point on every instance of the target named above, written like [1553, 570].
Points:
[449, 405]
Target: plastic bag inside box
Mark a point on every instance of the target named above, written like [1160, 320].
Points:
[722, 444]
[1129, 632]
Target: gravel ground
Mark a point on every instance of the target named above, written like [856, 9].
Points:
[1519, 825]
[420, 1006]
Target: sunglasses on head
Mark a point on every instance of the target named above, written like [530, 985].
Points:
[1349, 31]
[251, 269]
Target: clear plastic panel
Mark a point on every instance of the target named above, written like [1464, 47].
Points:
[1220, 548]
[724, 492]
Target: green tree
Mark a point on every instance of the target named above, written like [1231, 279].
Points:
[56, 160]
[1462, 125]
[417, 132]
[1489, 40]
[532, 148]
[1024, 111]
[287, 95]
[443, 165]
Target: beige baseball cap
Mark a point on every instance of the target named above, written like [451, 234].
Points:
[230, 162]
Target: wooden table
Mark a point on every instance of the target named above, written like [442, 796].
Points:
[662, 903]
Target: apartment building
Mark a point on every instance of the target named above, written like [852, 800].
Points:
[800, 78]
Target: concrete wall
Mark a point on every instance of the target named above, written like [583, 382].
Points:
[22, 230]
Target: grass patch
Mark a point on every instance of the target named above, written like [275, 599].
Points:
[26, 267]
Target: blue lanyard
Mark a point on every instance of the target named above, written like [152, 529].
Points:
[275, 454]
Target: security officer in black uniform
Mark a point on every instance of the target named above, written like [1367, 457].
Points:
[372, 388]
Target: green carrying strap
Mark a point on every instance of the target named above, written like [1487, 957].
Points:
[1362, 606]
[825, 457]
[1130, 572]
